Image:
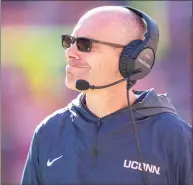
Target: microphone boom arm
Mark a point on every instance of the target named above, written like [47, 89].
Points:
[105, 86]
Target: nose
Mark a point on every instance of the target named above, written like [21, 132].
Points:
[72, 52]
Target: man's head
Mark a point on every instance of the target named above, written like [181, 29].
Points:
[100, 66]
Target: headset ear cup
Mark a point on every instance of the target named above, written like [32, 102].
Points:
[126, 63]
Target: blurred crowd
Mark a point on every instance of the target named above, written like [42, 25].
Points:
[33, 66]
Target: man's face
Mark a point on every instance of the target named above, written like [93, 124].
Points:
[100, 65]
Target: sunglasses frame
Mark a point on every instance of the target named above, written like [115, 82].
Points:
[91, 42]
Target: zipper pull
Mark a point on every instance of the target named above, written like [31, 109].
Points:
[99, 123]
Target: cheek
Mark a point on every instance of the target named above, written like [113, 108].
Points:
[103, 64]
[98, 65]
[110, 65]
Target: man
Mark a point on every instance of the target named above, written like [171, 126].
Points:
[92, 140]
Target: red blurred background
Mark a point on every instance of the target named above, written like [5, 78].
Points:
[33, 66]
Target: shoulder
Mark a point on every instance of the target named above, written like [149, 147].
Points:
[174, 133]
[169, 123]
[52, 122]
[172, 129]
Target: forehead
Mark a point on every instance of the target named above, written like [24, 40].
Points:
[97, 27]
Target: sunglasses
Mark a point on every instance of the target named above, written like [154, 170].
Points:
[84, 44]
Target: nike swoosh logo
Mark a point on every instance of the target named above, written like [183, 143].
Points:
[49, 163]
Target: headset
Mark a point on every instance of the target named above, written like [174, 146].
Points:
[137, 58]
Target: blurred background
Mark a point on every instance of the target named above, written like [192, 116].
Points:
[33, 66]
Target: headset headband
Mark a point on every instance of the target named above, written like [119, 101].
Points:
[138, 56]
[152, 34]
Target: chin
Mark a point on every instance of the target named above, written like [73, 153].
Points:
[71, 83]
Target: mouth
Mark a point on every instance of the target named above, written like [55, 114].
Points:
[73, 69]
[77, 63]
[76, 66]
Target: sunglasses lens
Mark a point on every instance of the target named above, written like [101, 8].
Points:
[66, 41]
[84, 44]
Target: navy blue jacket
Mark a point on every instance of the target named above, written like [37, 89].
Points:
[73, 146]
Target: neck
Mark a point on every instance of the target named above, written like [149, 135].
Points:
[106, 101]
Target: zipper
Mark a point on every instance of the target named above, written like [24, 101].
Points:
[100, 122]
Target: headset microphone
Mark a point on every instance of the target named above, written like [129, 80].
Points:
[84, 85]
